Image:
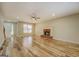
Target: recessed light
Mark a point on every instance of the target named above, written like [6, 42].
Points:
[53, 14]
[17, 17]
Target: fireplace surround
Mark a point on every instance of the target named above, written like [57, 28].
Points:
[46, 33]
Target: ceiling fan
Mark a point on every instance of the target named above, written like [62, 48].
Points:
[35, 17]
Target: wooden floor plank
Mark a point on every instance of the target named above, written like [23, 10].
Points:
[41, 47]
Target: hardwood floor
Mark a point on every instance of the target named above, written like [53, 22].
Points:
[41, 47]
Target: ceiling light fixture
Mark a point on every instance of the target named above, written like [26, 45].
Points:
[35, 18]
[17, 17]
[53, 14]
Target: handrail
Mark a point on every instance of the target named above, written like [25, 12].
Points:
[4, 45]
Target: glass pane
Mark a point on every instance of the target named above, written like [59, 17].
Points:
[12, 29]
[25, 28]
[29, 28]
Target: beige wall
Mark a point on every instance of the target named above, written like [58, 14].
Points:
[66, 28]
[41, 26]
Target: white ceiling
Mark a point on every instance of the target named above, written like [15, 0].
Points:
[45, 10]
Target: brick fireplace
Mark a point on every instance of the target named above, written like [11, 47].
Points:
[46, 33]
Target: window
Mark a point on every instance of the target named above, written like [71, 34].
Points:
[27, 28]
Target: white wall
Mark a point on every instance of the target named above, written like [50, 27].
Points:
[66, 28]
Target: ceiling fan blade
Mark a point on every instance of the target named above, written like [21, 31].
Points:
[38, 17]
